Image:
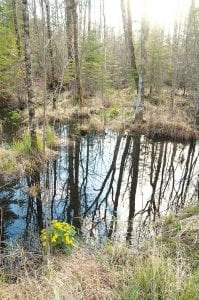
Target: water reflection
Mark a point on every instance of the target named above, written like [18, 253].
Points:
[104, 185]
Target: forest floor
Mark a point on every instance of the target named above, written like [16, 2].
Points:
[166, 267]
[116, 112]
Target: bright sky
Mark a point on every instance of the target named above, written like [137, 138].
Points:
[161, 12]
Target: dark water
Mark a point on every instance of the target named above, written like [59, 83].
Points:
[105, 185]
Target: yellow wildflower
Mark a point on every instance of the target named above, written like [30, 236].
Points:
[54, 238]
[68, 240]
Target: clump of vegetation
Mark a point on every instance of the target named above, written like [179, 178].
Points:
[112, 112]
[60, 237]
[14, 117]
[51, 139]
[8, 162]
[23, 146]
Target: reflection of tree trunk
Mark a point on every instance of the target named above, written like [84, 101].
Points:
[54, 185]
[111, 170]
[162, 175]
[133, 189]
[154, 183]
[34, 184]
[73, 173]
[119, 184]
[186, 176]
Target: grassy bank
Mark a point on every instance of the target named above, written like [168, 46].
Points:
[19, 157]
[117, 113]
[166, 267]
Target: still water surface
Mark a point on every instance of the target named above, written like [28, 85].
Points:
[105, 185]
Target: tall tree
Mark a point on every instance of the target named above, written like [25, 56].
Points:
[15, 21]
[69, 29]
[29, 83]
[140, 97]
[127, 26]
[51, 78]
[76, 52]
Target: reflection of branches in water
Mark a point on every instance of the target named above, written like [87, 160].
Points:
[118, 188]
[34, 207]
[134, 182]
[111, 170]
[7, 200]
[189, 165]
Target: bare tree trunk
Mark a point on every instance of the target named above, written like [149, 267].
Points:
[44, 76]
[76, 53]
[89, 16]
[174, 63]
[69, 28]
[140, 98]
[127, 26]
[104, 67]
[29, 84]
[18, 41]
[50, 47]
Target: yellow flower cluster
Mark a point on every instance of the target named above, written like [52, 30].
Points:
[68, 240]
[60, 235]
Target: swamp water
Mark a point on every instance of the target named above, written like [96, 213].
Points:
[107, 185]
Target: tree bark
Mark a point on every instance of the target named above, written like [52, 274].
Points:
[18, 40]
[140, 98]
[89, 16]
[69, 28]
[128, 34]
[76, 53]
[50, 46]
[29, 84]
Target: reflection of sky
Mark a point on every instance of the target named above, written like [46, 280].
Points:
[101, 150]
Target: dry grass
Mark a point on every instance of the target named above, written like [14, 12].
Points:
[166, 267]
[8, 161]
[79, 276]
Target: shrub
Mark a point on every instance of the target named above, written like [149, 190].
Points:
[60, 237]
[8, 161]
[24, 145]
[14, 117]
[113, 111]
[50, 136]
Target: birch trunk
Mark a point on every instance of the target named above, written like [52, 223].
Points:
[140, 97]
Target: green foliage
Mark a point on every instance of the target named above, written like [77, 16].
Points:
[92, 66]
[112, 112]
[8, 161]
[14, 117]
[159, 60]
[24, 145]
[156, 277]
[8, 51]
[60, 236]
[50, 136]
